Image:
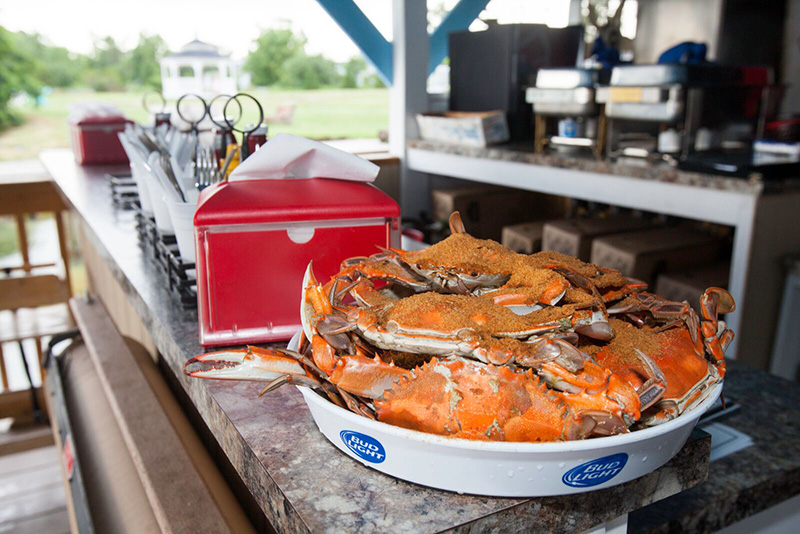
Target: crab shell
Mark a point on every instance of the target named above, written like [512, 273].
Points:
[429, 333]
[690, 356]
[466, 399]
[686, 374]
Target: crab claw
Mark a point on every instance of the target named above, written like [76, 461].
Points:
[716, 301]
[595, 326]
[306, 308]
[716, 336]
[252, 363]
[456, 224]
[594, 422]
[314, 302]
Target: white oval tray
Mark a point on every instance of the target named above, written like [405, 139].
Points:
[497, 468]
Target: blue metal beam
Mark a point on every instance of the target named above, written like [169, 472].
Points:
[366, 37]
[459, 18]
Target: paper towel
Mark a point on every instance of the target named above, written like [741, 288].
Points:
[288, 156]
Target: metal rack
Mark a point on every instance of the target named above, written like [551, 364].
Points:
[163, 249]
[124, 193]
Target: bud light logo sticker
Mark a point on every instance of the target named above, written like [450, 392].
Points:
[365, 447]
[596, 471]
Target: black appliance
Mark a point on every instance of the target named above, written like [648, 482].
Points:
[491, 69]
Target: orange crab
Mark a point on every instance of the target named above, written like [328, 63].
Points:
[683, 357]
[476, 400]
[469, 339]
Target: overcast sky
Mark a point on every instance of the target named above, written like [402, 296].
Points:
[230, 24]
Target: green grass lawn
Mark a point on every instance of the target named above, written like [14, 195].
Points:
[319, 114]
[8, 236]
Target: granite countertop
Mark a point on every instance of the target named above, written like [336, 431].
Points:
[628, 167]
[304, 484]
[747, 481]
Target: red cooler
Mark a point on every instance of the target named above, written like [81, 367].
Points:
[255, 238]
[95, 141]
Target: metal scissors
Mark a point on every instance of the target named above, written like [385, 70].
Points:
[184, 108]
[154, 103]
[245, 132]
[225, 127]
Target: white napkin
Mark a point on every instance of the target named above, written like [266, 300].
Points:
[288, 156]
[82, 110]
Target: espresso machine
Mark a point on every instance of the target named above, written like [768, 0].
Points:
[672, 111]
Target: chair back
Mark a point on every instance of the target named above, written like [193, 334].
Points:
[20, 198]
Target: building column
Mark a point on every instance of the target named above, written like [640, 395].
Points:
[198, 77]
[408, 96]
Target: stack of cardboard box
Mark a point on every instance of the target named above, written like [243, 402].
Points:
[525, 238]
[644, 254]
[486, 209]
[575, 236]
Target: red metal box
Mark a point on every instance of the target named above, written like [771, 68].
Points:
[95, 141]
[254, 240]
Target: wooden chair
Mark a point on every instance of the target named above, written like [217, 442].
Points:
[284, 114]
[33, 304]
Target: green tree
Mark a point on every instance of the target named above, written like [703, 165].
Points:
[273, 49]
[105, 66]
[373, 81]
[141, 65]
[16, 75]
[106, 53]
[309, 72]
[352, 69]
[54, 65]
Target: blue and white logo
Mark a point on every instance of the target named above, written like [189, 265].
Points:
[364, 446]
[596, 471]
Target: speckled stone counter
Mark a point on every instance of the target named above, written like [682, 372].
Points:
[300, 481]
[523, 153]
[748, 481]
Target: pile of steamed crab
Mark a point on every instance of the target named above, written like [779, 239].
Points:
[468, 339]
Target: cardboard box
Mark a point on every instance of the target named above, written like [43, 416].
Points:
[464, 128]
[643, 254]
[575, 236]
[689, 285]
[486, 209]
[525, 238]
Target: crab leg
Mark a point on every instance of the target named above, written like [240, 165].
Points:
[594, 388]
[549, 295]
[716, 336]
[356, 374]
[382, 266]
[366, 377]
[615, 293]
[252, 363]
[652, 390]
[316, 314]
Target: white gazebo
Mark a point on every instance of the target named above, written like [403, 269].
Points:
[198, 68]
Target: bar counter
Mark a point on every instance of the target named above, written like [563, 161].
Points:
[302, 483]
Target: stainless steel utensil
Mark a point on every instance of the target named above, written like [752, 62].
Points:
[166, 164]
